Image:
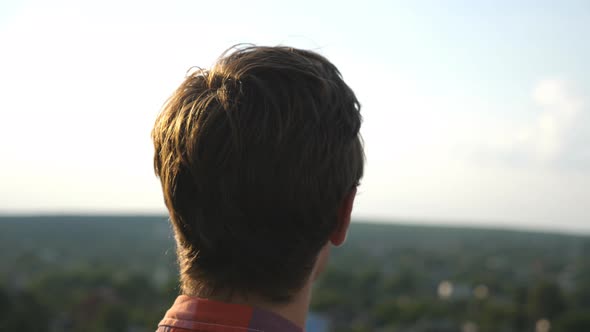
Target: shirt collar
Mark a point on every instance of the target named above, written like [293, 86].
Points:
[201, 314]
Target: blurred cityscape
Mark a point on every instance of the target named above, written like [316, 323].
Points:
[113, 273]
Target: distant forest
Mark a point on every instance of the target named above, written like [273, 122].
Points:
[114, 273]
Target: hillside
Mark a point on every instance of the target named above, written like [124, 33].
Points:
[389, 277]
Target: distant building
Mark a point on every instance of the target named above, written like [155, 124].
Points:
[316, 323]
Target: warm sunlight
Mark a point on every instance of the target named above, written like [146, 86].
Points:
[463, 120]
[471, 216]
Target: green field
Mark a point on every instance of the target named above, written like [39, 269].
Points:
[114, 273]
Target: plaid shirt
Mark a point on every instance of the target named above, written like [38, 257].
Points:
[202, 315]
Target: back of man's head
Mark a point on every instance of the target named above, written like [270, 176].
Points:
[255, 157]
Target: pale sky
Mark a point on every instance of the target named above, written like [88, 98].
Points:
[474, 114]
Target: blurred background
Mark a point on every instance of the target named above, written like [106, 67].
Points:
[473, 213]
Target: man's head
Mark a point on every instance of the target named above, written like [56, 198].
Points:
[259, 158]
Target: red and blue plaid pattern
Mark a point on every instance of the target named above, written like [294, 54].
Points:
[203, 315]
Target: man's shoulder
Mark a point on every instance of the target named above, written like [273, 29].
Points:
[199, 314]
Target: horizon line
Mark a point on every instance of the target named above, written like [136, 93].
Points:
[398, 221]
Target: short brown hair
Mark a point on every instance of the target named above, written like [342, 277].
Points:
[255, 156]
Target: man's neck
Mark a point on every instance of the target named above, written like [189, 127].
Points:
[295, 310]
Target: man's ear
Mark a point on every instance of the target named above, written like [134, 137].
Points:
[339, 235]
